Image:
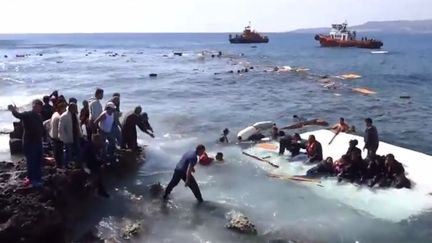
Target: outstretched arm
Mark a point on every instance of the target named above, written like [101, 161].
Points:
[15, 113]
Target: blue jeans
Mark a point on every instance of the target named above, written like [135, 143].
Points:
[34, 153]
[110, 148]
[117, 134]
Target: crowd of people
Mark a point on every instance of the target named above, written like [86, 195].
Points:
[85, 139]
[384, 171]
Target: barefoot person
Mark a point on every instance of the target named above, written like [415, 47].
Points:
[32, 140]
[184, 170]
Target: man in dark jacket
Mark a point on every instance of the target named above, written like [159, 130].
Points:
[371, 138]
[32, 140]
[129, 132]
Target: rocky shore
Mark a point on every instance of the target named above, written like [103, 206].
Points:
[29, 214]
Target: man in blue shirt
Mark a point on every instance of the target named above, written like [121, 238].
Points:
[184, 170]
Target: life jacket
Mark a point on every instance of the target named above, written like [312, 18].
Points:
[204, 159]
[311, 148]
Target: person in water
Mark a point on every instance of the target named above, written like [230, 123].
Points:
[394, 174]
[324, 168]
[274, 132]
[90, 157]
[290, 143]
[117, 114]
[184, 170]
[371, 138]
[342, 126]
[224, 137]
[129, 132]
[314, 150]
[32, 140]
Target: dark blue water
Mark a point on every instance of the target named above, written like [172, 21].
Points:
[188, 103]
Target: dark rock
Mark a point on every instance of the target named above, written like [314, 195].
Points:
[240, 223]
[156, 190]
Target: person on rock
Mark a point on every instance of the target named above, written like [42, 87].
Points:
[84, 118]
[184, 170]
[47, 109]
[32, 140]
[70, 134]
[129, 132]
[90, 157]
[370, 138]
[57, 143]
[95, 108]
[104, 124]
[314, 150]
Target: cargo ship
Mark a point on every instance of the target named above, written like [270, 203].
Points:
[248, 36]
[340, 36]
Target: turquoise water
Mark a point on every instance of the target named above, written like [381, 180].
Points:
[188, 103]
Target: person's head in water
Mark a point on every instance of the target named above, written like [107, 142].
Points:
[98, 140]
[61, 107]
[73, 108]
[85, 104]
[110, 108]
[311, 139]
[353, 128]
[389, 159]
[368, 122]
[37, 106]
[46, 100]
[138, 110]
[225, 132]
[219, 156]
[353, 143]
[99, 93]
[73, 100]
[341, 120]
[200, 149]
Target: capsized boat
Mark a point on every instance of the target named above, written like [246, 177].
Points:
[248, 36]
[389, 204]
[340, 36]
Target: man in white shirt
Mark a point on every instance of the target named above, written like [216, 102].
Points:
[70, 133]
[54, 133]
[95, 109]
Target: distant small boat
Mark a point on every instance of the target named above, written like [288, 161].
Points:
[248, 36]
[340, 36]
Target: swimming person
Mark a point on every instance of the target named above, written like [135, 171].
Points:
[184, 170]
[342, 126]
[370, 138]
[224, 137]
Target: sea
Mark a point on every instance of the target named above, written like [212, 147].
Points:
[195, 96]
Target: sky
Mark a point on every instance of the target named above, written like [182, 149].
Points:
[88, 16]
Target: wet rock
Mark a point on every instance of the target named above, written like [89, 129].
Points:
[131, 230]
[156, 190]
[240, 223]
